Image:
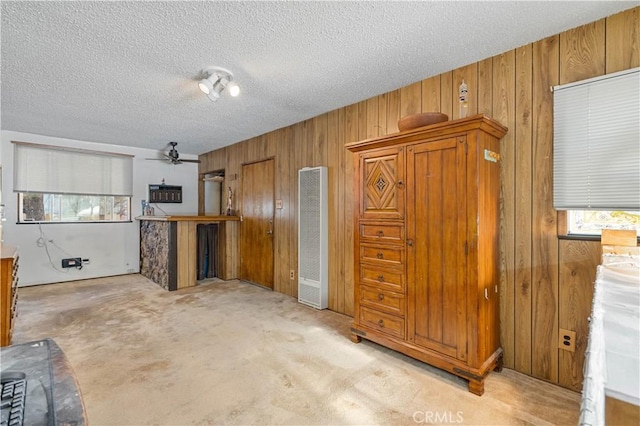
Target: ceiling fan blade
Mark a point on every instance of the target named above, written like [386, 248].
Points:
[189, 161]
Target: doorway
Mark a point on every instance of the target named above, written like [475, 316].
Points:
[256, 229]
[213, 191]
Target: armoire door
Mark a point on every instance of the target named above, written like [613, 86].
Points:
[382, 185]
[436, 232]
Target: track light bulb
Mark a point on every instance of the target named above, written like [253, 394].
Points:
[234, 89]
[206, 86]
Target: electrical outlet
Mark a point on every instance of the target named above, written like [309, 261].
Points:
[292, 274]
[72, 262]
[567, 340]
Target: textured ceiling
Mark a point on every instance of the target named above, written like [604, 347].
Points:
[126, 73]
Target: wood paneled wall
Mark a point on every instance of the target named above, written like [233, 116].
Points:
[546, 283]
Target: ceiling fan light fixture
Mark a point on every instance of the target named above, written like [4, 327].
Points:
[215, 80]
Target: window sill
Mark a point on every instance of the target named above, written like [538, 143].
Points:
[576, 237]
[76, 222]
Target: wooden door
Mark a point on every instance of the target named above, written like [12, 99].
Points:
[382, 186]
[256, 228]
[436, 261]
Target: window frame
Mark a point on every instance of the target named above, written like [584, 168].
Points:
[20, 206]
[563, 227]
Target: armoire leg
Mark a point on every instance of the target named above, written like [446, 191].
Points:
[476, 387]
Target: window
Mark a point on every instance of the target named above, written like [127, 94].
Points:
[56, 184]
[592, 222]
[38, 207]
[596, 154]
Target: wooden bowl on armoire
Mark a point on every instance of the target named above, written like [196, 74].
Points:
[414, 121]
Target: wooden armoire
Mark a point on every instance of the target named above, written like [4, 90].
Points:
[426, 255]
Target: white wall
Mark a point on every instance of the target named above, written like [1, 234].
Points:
[113, 248]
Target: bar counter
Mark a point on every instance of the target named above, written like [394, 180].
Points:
[168, 248]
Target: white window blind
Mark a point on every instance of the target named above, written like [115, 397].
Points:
[596, 143]
[57, 170]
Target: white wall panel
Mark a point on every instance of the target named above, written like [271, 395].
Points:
[113, 248]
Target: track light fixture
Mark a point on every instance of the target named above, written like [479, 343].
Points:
[215, 81]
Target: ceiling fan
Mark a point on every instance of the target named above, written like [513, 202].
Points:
[172, 157]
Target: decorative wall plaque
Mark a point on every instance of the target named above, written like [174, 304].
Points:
[165, 193]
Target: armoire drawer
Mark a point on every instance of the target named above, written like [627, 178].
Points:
[383, 322]
[381, 277]
[382, 254]
[382, 232]
[383, 300]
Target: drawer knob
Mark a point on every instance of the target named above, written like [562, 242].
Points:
[381, 323]
[380, 255]
[380, 234]
[380, 296]
[381, 278]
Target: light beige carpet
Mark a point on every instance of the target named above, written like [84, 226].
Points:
[234, 353]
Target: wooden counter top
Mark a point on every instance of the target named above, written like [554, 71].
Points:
[193, 218]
